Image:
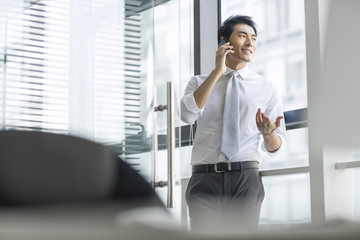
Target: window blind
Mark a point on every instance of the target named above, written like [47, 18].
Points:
[71, 67]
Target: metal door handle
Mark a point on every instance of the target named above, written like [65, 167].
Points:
[170, 143]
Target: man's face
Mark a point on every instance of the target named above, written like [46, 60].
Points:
[243, 39]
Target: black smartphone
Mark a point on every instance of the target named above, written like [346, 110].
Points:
[222, 42]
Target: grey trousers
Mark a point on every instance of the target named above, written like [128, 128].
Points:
[228, 202]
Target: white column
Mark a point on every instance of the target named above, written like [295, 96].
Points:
[313, 60]
[333, 97]
[340, 100]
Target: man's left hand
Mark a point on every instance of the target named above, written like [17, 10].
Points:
[264, 124]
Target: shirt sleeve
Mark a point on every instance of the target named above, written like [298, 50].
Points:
[189, 110]
[273, 110]
[277, 152]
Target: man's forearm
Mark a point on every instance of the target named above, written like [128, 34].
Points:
[202, 94]
[272, 142]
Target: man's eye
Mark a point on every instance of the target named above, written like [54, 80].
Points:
[254, 39]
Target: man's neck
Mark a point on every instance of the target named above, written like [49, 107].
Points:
[235, 66]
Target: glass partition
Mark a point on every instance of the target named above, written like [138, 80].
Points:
[356, 191]
[280, 57]
[287, 200]
[173, 62]
[356, 184]
[95, 68]
[295, 153]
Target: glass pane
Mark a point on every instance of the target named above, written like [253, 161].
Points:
[173, 58]
[287, 200]
[295, 153]
[62, 67]
[281, 55]
[356, 190]
[356, 185]
[139, 90]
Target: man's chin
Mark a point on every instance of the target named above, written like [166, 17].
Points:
[243, 59]
[247, 59]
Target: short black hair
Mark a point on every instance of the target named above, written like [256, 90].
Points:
[227, 27]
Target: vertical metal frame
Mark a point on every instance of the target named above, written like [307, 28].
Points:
[197, 51]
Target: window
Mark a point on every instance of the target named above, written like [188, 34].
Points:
[356, 188]
[281, 57]
[288, 199]
[281, 45]
[356, 184]
[68, 67]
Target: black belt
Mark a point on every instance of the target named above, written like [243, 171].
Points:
[225, 167]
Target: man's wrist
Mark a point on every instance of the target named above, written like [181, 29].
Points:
[218, 73]
[272, 141]
[269, 135]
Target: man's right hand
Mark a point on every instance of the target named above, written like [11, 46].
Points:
[220, 59]
[202, 94]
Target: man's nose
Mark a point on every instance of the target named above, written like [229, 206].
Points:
[249, 41]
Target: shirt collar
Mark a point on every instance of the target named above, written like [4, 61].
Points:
[242, 72]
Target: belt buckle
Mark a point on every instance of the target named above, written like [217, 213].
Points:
[218, 171]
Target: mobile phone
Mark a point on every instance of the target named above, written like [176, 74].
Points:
[222, 42]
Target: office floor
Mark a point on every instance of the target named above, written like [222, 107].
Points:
[123, 220]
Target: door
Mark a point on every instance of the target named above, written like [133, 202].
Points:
[164, 40]
[95, 69]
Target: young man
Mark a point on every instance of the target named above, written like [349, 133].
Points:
[239, 113]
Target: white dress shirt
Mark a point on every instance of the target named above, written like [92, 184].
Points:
[256, 92]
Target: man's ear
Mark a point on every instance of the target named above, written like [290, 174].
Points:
[223, 38]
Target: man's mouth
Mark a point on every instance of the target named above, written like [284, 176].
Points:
[246, 51]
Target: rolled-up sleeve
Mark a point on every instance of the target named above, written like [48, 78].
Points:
[273, 110]
[189, 110]
[278, 151]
